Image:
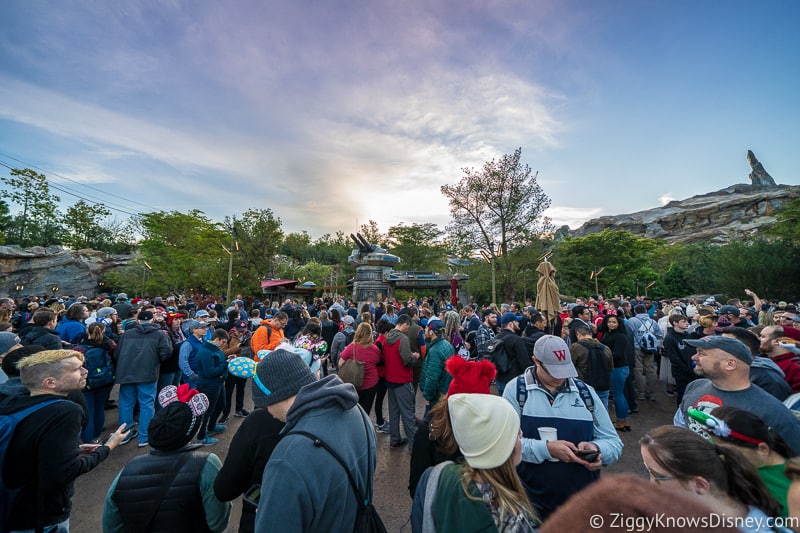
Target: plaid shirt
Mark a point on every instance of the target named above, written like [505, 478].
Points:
[482, 338]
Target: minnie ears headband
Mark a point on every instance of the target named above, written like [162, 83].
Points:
[197, 401]
[719, 428]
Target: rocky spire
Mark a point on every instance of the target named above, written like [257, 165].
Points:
[759, 176]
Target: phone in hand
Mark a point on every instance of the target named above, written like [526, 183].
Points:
[253, 494]
[589, 456]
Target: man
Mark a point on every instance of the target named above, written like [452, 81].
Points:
[212, 370]
[187, 355]
[416, 338]
[304, 488]
[42, 331]
[515, 349]
[268, 336]
[645, 376]
[43, 458]
[238, 346]
[138, 357]
[399, 383]
[8, 343]
[581, 317]
[764, 372]
[679, 354]
[472, 322]
[535, 330]
[771, 347]
[593, 361]
[486, 332]
[549, 395]
[732, 313]
[122, 306]
[724, 363]
[342, 339]
[435, 379]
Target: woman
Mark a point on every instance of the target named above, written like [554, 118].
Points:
[390, 315]
[716, 475]
[452, 326]
[616, 338]
[311, 339]
[328, 330]
[97, 350]
[381, 424]
[762, 446]
[434, 442]
[705, 327]
[364, 349]
[483, 493]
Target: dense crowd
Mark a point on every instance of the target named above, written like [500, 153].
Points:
[523, 407]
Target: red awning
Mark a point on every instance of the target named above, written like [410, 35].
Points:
[266, 283]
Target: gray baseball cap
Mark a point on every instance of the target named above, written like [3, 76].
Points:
[735, 347]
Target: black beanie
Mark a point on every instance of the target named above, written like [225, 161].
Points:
[172, 427]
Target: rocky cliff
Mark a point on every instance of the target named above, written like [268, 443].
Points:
[736, 212]
[38, 269]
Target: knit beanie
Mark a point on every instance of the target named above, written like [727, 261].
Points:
[280, 376]
[486, 428]
[8, 340]
[175, 425]
[469, 376]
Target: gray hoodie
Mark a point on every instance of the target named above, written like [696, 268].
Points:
[766, 373]
[304, 488]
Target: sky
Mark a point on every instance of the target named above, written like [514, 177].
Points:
[335, 113]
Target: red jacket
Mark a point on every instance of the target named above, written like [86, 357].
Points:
[398, 359]
[791, 370]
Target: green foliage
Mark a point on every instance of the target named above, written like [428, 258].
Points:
[625, 259]
[496, 210]
[418, 246]
[788, 225]
[297, 246]
[5, 220]
[770, 269]
[260, 236]
[371, 232]
[38, 221]
[88, 226]
[185, 251]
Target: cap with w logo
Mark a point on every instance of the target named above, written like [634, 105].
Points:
[553, 353]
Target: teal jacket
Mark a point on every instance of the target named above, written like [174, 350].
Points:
[435, 380]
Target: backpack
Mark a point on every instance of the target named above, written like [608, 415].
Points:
[583, 390]
[473, 346]
[496, 353]
[348, 337]
[97, 361]
[648, 341]
[8, 423]
[598, 376]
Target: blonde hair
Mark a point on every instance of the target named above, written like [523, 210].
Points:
[510, 496]
[452, 323]
[96, 331]
[363, 335]
[35, 368]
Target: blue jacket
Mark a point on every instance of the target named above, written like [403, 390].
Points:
[549, 484]
[70, 330]
[212, 365]
[304, 488]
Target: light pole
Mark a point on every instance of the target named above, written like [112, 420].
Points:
[490, 259]
[145, 267]
[647, 287]
[234, 246]
[594, 275]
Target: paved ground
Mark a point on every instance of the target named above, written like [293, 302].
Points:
[391, 476]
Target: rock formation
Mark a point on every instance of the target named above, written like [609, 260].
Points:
[38, 269]
[759, 177]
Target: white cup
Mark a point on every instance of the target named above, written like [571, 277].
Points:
[548, 434]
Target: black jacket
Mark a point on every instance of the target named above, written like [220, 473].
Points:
[41, 336]
[517, 353]
[46, 442]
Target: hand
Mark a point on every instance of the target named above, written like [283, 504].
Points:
[748, 292]
[87, 448]
[415, 355]
[115, 438]
[597, 464]
[562, 450]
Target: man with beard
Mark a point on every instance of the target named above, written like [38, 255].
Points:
[724, 363]
[515, 349]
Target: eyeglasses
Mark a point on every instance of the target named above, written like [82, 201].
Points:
[658, 478]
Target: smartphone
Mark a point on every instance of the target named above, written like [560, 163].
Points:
[589, 456]
[253, 494]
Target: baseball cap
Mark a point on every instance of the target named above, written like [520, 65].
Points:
[242, 325]
[200, 313]
[509, 317]
[144, 315]
[729, 310]
[553, 353]
[735, 347]
[436, 325]
[347, 320]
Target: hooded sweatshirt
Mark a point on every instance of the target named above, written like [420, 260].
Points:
[398, 358]
[766, 373]
[304, 488]
[140, 352]
[46, 442]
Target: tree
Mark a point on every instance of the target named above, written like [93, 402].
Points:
[82, 223]
[297, 246]
[418, 246]
[788, 225]
[260, 236]
[371, 232]
[5, 220]
[496, 210]
[37, 224]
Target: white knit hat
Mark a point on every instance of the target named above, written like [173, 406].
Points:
[485, 426]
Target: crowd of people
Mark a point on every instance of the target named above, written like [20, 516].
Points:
[521, 413]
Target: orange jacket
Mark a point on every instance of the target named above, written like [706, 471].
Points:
[266, 337]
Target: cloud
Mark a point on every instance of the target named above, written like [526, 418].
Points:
[666, 198]
[573, 217]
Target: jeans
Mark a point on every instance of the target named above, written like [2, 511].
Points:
[401, 405]
[618, 377]
[146, 394]
[603, 395]
[216, 402]
[61, 527]
[501, 386]
[96, 416]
